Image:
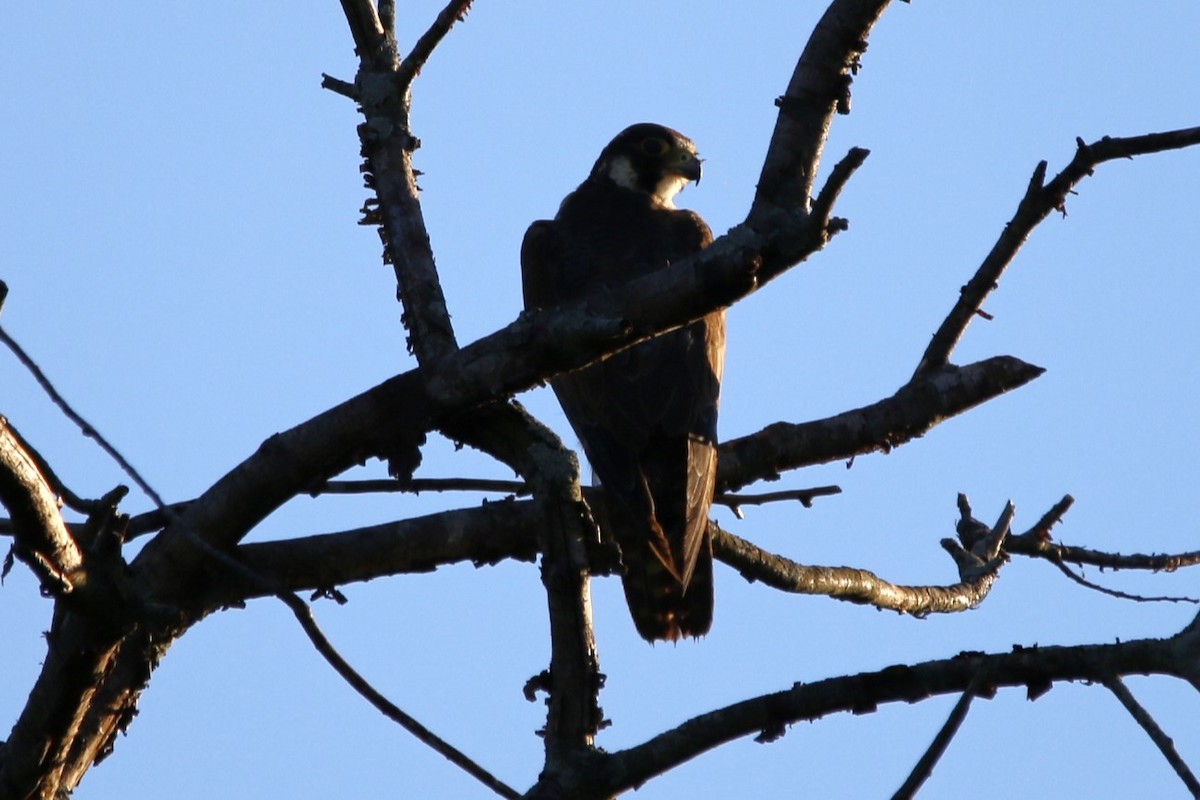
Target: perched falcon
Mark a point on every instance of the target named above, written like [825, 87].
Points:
[646, 417]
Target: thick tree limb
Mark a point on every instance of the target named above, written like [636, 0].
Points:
[819, 87]
[573, 680]
[918, 406]
[511, 528]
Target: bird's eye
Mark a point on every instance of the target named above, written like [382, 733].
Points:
[654, 146]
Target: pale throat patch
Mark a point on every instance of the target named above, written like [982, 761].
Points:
[621, 170]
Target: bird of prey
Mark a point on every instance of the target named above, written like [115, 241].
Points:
[647, 416]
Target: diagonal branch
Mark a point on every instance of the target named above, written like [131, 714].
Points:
[325, 648]
[1157, 735]
[1117, 593]
[1040, 199]
[819, 87]
[41, 537]
[386, 707]
[911, 412]
[410, 67]
[513, 359]
[937, 748]
[74, 416]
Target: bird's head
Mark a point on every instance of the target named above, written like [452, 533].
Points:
[652, 159]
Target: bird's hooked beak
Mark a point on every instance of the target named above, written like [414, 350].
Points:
[686, 164]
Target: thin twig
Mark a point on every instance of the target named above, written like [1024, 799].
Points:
[418, 485]
[386, 707]
[1082, 581]
[83, 424]
[924, 767]
[357, 682]
[1164, 743]
[521, 489]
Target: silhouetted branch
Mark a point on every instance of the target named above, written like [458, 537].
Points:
[1163, 742]
[418, 485]
[1040, 199]
[386, 707]
[573, 680]
[84, 426]
[365, 27]
[410, 67]
[1061, 553]
[819, 87]
[521, 488]
[339, 86]
[911, 412]
[485, 535]
[937, 748]
[768, 716]
[804, 496]
[1082, 581]
[266, 586]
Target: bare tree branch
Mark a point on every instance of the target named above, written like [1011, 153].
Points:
[573, 680]
[819, 86]
[365, 27]
[347, 672]
[908, 414]
[978, 566]
[386, 707]
[485, 535]
[1040, 199]
[1036, 668]
[74, 416]
[41, 537]
[418, 485]
[1082, 581]
[937, 748]
[410, 67]
[804, 496]
[1062, 553]
[1163, 742]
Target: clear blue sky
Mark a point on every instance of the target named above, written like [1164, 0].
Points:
[178, 202]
